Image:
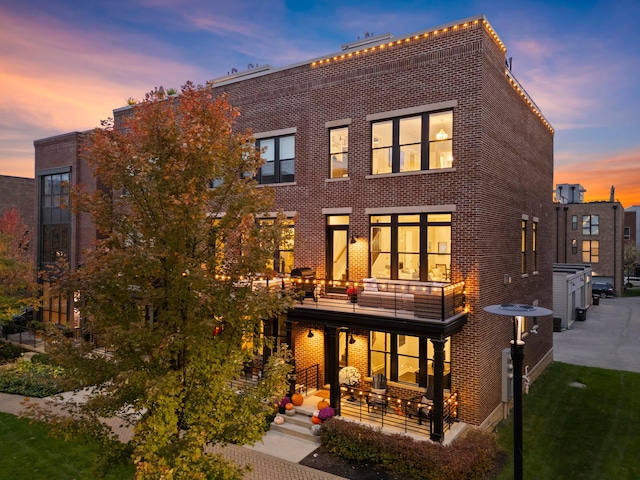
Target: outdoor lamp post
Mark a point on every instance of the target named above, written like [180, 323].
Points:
[518, 312]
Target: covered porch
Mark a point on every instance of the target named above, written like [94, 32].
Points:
[401, 408]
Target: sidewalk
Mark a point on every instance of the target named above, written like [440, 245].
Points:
[275, 457]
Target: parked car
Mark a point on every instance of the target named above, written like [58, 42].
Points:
[602, 289]
[23, 318]
[632, 282]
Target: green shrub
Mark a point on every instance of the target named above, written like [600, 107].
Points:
[35, 380]
[471, 457]
[42, 358]
[9, 351]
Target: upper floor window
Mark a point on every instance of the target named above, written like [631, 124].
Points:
[534, 245]
[414, 143]
[279, 157]
[55, 217]
[283, 247]
[590, 251]
[627, 233]
[523, 247]
[590, 224]
[574, 222]
[411, 247]
[339, 152]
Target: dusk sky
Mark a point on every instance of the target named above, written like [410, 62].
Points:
[65, 65]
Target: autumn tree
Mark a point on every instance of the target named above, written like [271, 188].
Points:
[631, 260]
[169, 287]
[18, 287]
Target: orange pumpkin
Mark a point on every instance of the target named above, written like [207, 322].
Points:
[297, 399]
[322, 404]
[289, 406]
[316, 420]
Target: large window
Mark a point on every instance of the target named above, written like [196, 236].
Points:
[523, 247]
[627, 233]
[413, 143]
[283, 249]
[590, 224]
[590, 251]
[534, 245]
[339, 152]
[55, 217]
[279, 157]
[398, 358]
[411, 247]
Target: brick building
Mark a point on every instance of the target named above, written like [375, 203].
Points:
[590, 233]
[415, 171]
[61, 233]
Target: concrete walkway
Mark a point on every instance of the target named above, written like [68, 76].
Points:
[608, 338]
[276, 457]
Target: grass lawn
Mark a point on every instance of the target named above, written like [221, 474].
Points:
[579, 433]
[28, 452]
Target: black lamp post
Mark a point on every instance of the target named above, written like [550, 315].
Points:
[518, 312]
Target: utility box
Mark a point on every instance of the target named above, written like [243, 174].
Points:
[581, 314]
[507, 375]
[557, 324]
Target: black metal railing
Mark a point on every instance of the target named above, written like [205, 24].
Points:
[387, 411]
[307, 379]
[22, 335]
[430, 300]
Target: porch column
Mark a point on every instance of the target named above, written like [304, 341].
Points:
[437, 424]
[332, 335]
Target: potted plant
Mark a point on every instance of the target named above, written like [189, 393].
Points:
[326, 413]
[282, 405]
[171, 92]
[349, 376]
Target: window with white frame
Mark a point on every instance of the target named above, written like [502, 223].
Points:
[412, 143]
[339, 152]
[279, 156]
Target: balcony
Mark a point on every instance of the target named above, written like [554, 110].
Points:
[399, 299]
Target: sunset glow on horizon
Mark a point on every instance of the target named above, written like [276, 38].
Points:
[66, 68]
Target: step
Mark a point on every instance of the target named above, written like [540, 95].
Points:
[298, 425]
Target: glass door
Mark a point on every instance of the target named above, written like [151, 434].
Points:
[337, 252]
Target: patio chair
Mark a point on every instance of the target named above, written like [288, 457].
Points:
[425, 401]
[378, 397]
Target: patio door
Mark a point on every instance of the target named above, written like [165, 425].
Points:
[337, 252]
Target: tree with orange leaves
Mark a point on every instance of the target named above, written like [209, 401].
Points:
[169, 286]
[18, 286]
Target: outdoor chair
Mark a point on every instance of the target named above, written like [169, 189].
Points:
[378, 397]
[421, 405]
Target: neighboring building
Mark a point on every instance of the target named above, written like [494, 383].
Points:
[631, 233]
[19, 193]
[417, 171]
[590, 233]
[61, 233]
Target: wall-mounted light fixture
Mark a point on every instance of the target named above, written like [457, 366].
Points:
[353, 240]
[310, 334]
[352, 340]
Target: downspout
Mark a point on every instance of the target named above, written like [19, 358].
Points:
[615, 244]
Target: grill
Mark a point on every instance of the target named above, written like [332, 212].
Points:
[303, 283]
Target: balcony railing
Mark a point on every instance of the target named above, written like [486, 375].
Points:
[428, 300]
[389, 412]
